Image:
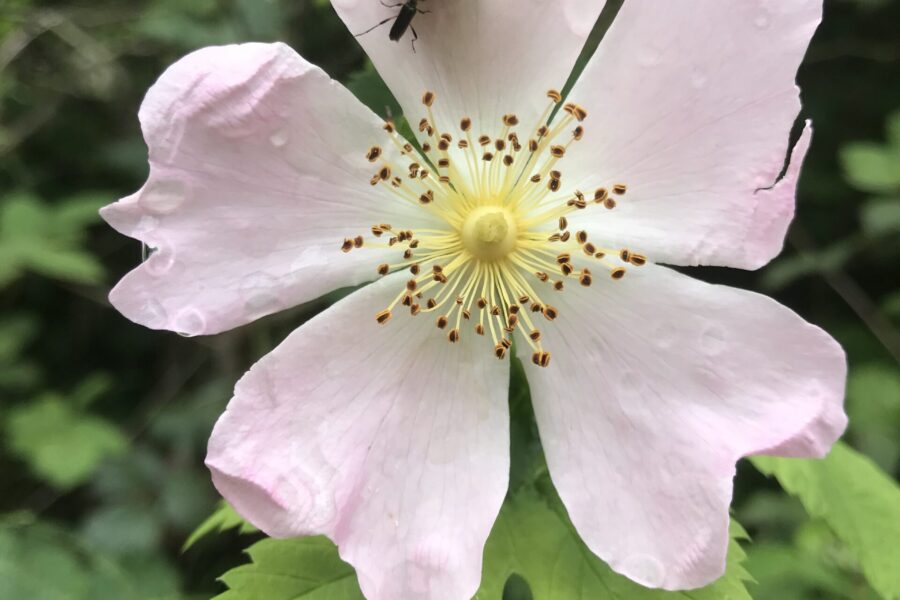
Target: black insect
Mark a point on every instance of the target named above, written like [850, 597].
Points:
[402, 20]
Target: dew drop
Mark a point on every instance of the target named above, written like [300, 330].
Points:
[155, 314]
[190, 322]
[162, 197]
[280, 138]
[713, 341]
[698, 78]
[160, 260]
[262, 295]
[644, 569]
[309, 262]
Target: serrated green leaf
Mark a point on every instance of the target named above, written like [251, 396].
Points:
[307, 568]
[857, 500]
[534, 540]
[223, 519]
[60, 444]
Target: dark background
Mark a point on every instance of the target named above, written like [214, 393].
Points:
[104, 423]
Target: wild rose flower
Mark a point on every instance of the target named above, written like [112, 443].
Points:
[383, 422]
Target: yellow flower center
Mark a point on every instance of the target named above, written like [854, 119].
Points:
[505, 244]
[489, 233]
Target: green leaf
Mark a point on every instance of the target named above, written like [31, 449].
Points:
[881, 217]
[873, 405]
[223, 519]
[532, 538]
[61, 445]
[42, 562]
[307, 568]
[858, 501]
[872, 167]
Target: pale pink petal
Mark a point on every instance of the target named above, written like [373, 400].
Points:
[691, 105]
[388, 439]
[658, 384]
[257, 174]
[482, 59]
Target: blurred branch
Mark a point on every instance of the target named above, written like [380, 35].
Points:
[851, 293]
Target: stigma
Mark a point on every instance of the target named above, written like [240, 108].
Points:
[505, 247]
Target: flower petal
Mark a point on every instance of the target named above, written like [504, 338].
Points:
[258, 172]
[691, 105]
[388, 439]
[482, 59]
[658, 384]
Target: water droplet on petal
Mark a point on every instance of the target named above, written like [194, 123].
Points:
[713, 341]
[262, 295]
[190, 322]
[280, 138]
[155, 316]
[162, 197]
[160, 260]
[698, 78]
[309, 262]
[644, 569]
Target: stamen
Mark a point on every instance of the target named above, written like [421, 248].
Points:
[505, 211]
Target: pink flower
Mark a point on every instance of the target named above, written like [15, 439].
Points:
[271, 184]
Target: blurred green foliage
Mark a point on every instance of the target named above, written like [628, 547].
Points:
[104, 424]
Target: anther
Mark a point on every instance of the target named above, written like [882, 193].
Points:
[407, 254]
[411, 285]
[533, 145]
[431, 303]
[482, 303]
[415, 309]
[553, 185]
[600, 195]
[563, 223]
[384, 173]
[578, 133]
[589, 249]
[555, 96]
[414, 269]
[542, 276]
[374, 153]
[465, 124]
[384, 269]
[488, 157]
[508, 160]
[443, 145]
[550, 313]
[523, 299]
[383, 317]
[347, 246]
[484, 140]
[619, 189]
[625, 255]
[567, 269]
[585, 279]
[389, 126]
[536, 178]
[541, 359]
[581, 237]
[407, 300]
[565, 236]
[617, 273]
[558, 151]
[500, 145]
[563, 258]
[535, 335]
[453, 336]
[638, 260]
[609, 203]
[441, 322]
[558, 286]
[479, 329]
[510, 120]
[444, 162]
[427, 197]
[500, 351]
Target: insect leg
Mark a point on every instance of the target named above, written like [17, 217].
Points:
[374, 27]
[415, 37]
